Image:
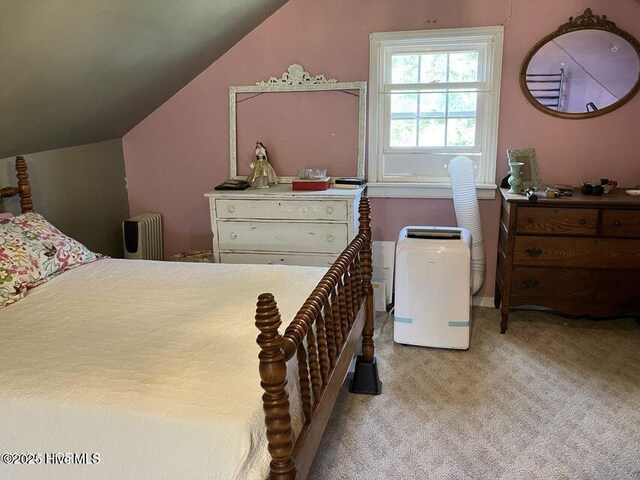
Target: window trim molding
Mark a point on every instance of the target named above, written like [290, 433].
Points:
[486, 176]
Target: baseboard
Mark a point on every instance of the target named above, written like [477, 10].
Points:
[482, 302]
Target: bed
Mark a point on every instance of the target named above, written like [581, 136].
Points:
[140, 369]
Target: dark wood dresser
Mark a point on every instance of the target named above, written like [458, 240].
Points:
[577, 255]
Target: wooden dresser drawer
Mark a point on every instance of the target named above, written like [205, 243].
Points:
[556, 221]
[577, 252]
[540, 282]
[282, 209]
[572, 284]
[620, 223]
[282, 236]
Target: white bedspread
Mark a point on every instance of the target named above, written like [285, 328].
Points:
[153, 365]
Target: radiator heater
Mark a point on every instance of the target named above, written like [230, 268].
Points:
[142, 236]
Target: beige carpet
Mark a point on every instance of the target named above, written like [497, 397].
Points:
[551, 399]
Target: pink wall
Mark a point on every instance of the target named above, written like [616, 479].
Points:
[181, 150]
[299, 130]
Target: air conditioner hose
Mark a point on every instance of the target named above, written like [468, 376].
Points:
[465, 202]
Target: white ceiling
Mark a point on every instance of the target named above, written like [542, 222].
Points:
[80, 71]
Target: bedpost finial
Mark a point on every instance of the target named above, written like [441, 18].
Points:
[275, 401]
[364, 209]
[268, 320]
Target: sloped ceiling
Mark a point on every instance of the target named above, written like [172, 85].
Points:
[79, 71]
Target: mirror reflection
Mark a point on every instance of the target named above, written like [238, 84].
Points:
[583, 71]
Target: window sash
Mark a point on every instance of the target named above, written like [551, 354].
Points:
[448, 48]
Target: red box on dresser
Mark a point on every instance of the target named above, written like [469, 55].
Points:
[311, 184]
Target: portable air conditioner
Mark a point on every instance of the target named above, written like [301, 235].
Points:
[142, 236]
[433, 287]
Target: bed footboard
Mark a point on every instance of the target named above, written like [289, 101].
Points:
[23, 189]
[323, 336]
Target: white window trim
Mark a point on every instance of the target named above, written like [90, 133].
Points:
[485, 186]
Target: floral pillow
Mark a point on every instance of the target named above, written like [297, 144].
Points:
[19, 269]
[36, 251]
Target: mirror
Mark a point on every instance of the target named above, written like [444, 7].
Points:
[588, 67]
[295, 116]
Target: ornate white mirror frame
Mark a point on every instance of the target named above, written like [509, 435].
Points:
[296, 79]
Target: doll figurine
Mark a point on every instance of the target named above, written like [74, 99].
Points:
[262, 174]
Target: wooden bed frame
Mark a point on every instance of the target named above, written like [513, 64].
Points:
[331, 320]
[323, 336]
[23, 189]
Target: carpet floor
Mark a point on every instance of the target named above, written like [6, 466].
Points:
[552, 399]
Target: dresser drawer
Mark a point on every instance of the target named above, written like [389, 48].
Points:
[577, 252]
[282, 209]
[556, 221]
[312, 260]
[620, 223]
[540, 282]
[282, 236]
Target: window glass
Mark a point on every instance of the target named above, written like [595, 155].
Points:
[433, 68]
[463, 67]
[405, 68]
[433, 104]
[404, 104]
[403, 133]
[461, 131]
[432, 132]
[463, 103]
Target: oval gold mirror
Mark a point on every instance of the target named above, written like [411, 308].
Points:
[588, 67]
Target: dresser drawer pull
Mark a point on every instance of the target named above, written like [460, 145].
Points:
[617, 223]
[231, 209]
[533, 252]
[530, 283]
[583, 221]
[233, 235]
[329, 210]
[329, 238]
[530, 220]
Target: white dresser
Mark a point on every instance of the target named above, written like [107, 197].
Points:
[280, 226]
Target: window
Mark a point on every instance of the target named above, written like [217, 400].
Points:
[434, 95]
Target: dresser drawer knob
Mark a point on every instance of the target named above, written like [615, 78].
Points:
[533, 252]
[231, 209]
[583, 221]
[617, 223]
[530, 283]
[529, 220]
[233, 235]
[302, 210]
[329, 238]
[329, 210]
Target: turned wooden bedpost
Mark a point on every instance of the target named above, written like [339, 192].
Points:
[367, 273]
[273, 373]
[24, 188]
[365, 378]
